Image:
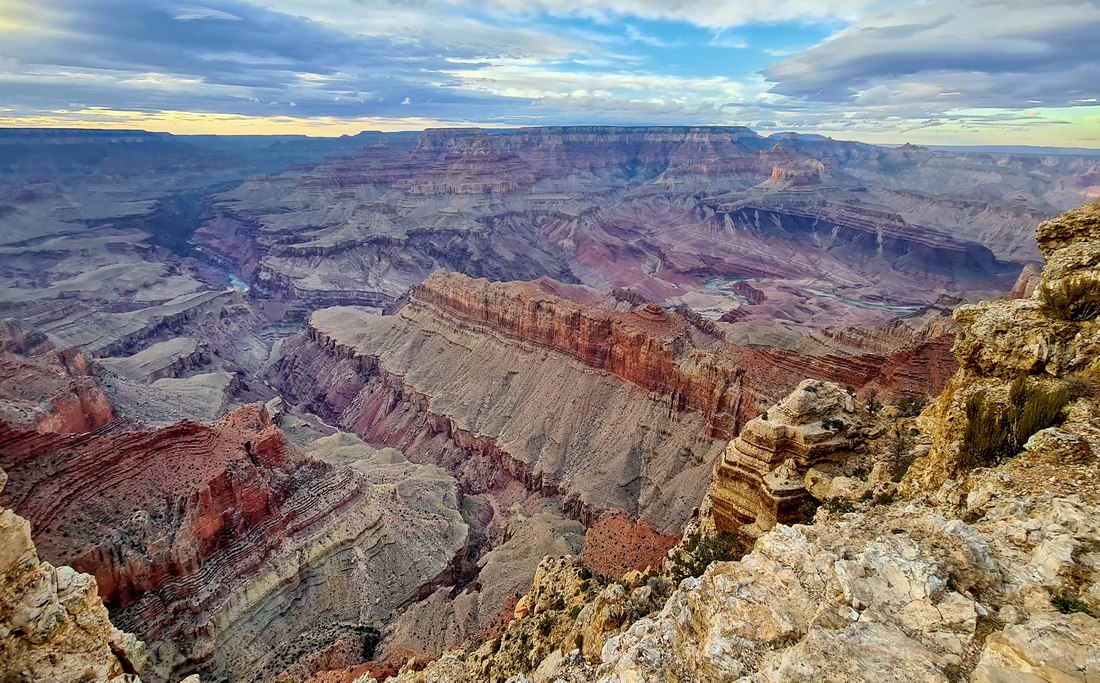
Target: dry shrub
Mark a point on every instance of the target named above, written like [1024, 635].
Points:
[1076, 297]
[995, 433]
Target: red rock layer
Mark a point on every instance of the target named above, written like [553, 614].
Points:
[617, 544]
[76, 490]
[919, 370]
[176, 524]
[46, 388]
[650, 349]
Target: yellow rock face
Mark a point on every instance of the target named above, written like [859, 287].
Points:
[53, 626]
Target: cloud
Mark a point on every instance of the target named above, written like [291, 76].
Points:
[938, 56]
[703, 13]
[200, 13]
[918, 66]
[733, 42]
[122, 54]
[533, 80]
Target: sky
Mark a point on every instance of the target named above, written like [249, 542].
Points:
[1015, 72]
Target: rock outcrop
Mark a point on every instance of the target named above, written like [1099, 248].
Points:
[53, 626]
[48, 389]
[1051, 339]
[520, 392]
[533, 379]
[761, 477]
[165, 359]
[905, 589]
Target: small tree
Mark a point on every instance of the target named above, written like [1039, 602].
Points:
[699, 550]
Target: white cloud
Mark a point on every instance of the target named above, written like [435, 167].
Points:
[533, 80]
[706, 13]
[988, 53]
[200, 13]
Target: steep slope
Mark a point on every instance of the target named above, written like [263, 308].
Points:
[1052, 339]
[533, 382]
[229, 551]
[513, 416]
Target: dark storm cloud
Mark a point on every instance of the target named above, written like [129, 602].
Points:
[981, 53]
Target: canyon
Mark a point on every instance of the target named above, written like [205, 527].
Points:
[321, 408]
[987, 574]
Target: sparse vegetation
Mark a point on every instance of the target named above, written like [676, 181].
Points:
[810, 506]
[911, 406]
[1068, 603]
[901, 454]
[840, 505]
[1075, 298]
[808, 509]
[995, 433]
[699, 550]
[873, 404]
[1082, 385]
[833, 424]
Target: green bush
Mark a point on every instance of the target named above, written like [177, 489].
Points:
[808, 509]
[1068, 603]
[911, 406]
[995, 433]
[699, 550]
[988, 438]
[1040, 411]
[839, 505]
[1076, 297]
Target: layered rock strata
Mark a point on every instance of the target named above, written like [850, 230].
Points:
[514, 390]
[660, 210]
[533, 379]
[162, 360]
[48, 389]
[53, 626]
[231, 552]
[760, 478]
[988, 574]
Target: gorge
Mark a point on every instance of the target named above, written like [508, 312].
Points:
[443, 357]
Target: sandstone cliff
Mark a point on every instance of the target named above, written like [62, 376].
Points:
[508, 383]
[45, 388]
[760, 478]
[1046, 344]
[535, 379]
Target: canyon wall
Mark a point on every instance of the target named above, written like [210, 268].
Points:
[229, 551]
[532, 382]
[982, 570]
[658, 209]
